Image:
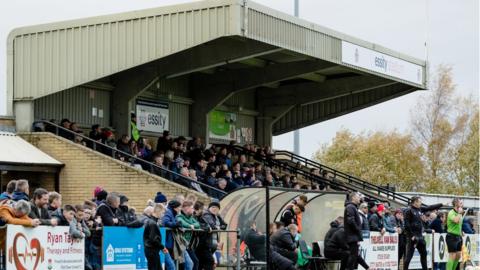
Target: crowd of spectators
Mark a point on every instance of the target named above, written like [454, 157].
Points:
[214, 170]
[188, 221]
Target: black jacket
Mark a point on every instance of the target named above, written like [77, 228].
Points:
[128, 218]
[256, 244]
[337, 241]
[375, 222]
[210, 221]
[413, 220]
[107, 213]
[334, 226]
[288, 217]
[152, 239]
[353, 229]
[40, 213]
[437, 225]
[283, 242]
[365, 226]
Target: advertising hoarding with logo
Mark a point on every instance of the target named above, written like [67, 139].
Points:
[369, 59]
[380, 251]
[152, 116]
[43, 247]
[125, 252]
[221, 125]
[470, 248]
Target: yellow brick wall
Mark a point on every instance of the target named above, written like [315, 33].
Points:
[85, 169]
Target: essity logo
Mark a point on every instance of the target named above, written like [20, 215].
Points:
[381, 62]
[26, 253]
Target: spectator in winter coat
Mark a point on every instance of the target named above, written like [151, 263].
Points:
[363, 212]
[108, 210]
[127, 215]
[66, 217]
[39, 209]
[152, 239]
[209, 241]
[401, 234]
[18, 214]
[164, 143]
[283, 242]
[336, 248]
[169, 220]
[289, 216]
[256, 242]
[7, 195]
[79, 221]
[21, 191]
[187, 221]
[353, 228]
[54, 202]
[389, 220]
[334, 226]
[376, 220]
[467, 226]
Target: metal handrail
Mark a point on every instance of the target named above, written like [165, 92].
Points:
[349, 178]
[132, 157]
[319, 178]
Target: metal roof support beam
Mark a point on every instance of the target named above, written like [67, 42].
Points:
[331, 108]
[224, 84]
[305, 93]
[131, 83]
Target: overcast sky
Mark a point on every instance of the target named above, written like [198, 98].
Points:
[450, 29]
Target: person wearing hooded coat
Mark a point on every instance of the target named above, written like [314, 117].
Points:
[127, 217]
[169, 220]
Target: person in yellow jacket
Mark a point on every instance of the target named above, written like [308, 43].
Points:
[133, 127]
[18, 214]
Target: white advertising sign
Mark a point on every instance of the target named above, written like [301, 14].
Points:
[380, 251]
[369, 59]
[152, 116]
[43, 247]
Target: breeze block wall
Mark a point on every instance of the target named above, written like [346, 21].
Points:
[85, 169]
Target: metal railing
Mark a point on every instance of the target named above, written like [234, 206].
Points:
[355, 181]
[351, 184]
[146, 165]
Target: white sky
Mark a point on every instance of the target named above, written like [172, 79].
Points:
[452, 27]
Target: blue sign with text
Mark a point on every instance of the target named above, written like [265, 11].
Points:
[123, 248]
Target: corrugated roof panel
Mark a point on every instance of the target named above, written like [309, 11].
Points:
[16, 150]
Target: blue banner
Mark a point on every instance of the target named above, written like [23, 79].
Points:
[123, 248]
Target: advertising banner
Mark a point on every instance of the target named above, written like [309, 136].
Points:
[125, 252]
[152, 116]
[415, 262]
[470, 249]
[380, 251]
[221, 125]
[43, 247]
[379, 62]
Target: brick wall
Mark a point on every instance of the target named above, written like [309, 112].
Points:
[84, 169]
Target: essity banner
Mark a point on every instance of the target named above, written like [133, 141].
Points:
[43, 247]
[152, 116]
[375, 61]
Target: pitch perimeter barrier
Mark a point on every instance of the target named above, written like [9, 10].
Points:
[47, 247]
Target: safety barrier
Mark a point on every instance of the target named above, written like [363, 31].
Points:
[47, 247]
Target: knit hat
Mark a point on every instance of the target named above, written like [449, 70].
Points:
[97, 190]
[160, 198]
[380, 208]
[214, 204]
[174, 204]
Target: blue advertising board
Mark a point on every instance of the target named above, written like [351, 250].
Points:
[123, 248]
